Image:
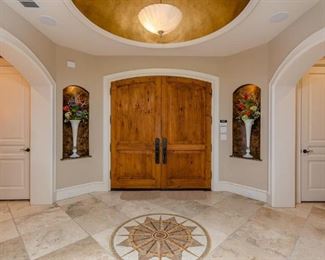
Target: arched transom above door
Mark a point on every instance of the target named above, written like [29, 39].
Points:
[199, 18]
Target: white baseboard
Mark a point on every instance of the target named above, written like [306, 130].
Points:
[77, 190]
[268, 198]
[243, 190]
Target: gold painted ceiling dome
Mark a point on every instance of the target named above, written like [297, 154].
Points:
[161, 21]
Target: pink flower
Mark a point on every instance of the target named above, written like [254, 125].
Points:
[241, 106]
[66, 108]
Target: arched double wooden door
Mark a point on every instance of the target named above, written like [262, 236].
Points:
[161, 133]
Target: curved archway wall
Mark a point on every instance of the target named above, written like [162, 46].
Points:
[42, 156]
[282, 154]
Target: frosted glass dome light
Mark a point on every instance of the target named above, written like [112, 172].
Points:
[160, 18]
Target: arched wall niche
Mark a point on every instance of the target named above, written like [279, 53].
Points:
[246, 104]
[42, 156]
[75, 106]
[282, 139]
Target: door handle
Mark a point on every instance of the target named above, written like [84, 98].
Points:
[164, 150]
[157, 150]
[26, 149]
[307, 151]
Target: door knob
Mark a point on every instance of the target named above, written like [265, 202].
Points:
[306, 151]
[26, 149]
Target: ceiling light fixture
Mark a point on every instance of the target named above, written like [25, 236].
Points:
[160, 18]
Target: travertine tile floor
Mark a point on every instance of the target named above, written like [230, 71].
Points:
[239, 228]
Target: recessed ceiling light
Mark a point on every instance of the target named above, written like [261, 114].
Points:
[279, 17]
[47, 20]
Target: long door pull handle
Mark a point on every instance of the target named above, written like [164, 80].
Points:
[157, 150]
[164, 152]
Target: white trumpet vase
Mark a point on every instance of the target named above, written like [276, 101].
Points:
[75, 127]
[248, 127]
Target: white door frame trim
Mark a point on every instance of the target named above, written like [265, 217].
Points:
[281, 175]
[298, 140]
[42, 128]
[214, 80]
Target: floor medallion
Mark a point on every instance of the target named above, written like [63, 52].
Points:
[160, 236]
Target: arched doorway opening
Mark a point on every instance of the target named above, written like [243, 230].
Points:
[282, 139]
[214, 80]
[42, 133]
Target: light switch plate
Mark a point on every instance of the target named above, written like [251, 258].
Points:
[223, 137]
[71, 64]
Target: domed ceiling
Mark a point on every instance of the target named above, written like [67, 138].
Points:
[200, 17]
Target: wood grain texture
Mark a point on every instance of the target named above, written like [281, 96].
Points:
[146, 108]
[186, 123]
[136, 122]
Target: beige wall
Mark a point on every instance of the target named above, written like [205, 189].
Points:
[247, 67]
[254, 66]
[41, 46]
[74, 172]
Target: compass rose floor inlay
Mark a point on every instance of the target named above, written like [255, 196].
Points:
[160, 236]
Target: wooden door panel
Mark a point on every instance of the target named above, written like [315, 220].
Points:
[186, 123]
[139, 165]
[136, 169]
[185, 111]
[186, 169]
[186, 165]
[135, 105]
[146, 108]
[136, 122]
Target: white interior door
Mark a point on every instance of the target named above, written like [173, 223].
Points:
[313, 136]
[14, 134]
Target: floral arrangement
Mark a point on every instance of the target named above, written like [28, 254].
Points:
[248, 107]
[76, 109]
